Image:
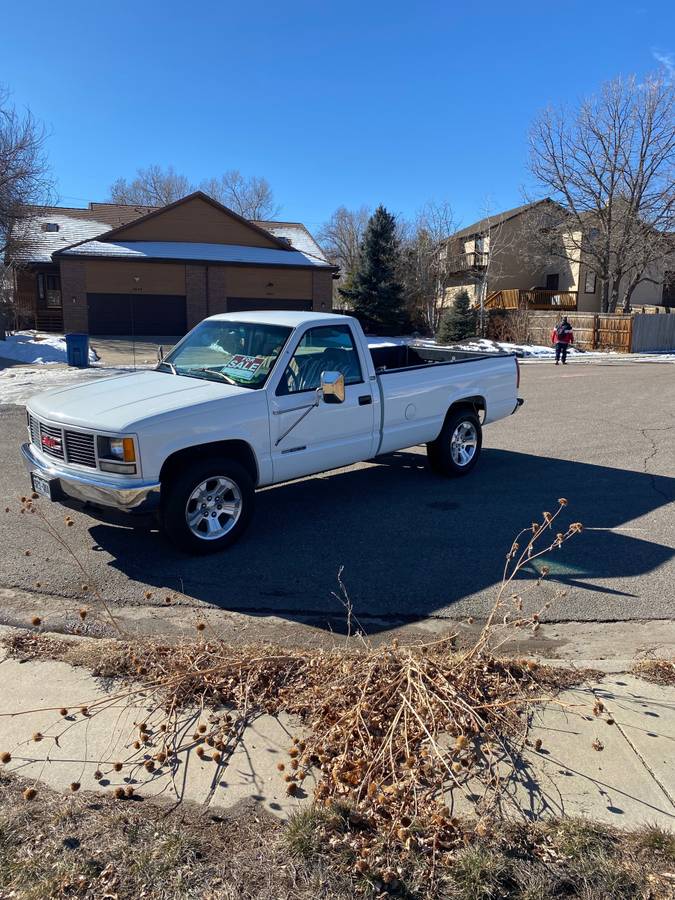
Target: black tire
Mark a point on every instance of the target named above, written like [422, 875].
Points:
[440, 451]
[176, 494]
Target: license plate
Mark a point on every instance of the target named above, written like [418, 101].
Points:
[41, 486]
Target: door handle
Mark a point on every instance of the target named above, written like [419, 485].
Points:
[365, 400]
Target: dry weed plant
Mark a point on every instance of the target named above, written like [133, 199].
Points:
[392, 734]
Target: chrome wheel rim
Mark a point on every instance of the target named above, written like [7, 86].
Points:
[213, 508]
[464, 443]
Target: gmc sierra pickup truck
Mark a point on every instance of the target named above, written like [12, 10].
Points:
[252, 399]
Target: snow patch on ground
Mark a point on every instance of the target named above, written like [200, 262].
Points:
[524, 350]
[37, 349]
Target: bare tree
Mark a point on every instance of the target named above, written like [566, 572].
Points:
[340, 238]
[25, 181]
[425, 265]
[153, 186]
[610, 164]
[25, 186]
[251, 197]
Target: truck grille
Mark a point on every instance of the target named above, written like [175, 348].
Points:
[74, 447]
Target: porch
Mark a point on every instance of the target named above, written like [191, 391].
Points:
[516, 298]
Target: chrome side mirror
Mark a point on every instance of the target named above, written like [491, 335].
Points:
[333, 387]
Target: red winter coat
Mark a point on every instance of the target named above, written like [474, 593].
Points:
[567, 337]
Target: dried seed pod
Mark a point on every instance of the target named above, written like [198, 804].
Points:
[36, 620]
[29, 794]
[37, 737]
[292, 789]
[83, 613]
[120, 793]
[98, 775]
[280, 766]
[63, 711]
[149, 765]
[129, 791]
[537, 745]
[5, 757]
[117, 766]
[75, 786]
[200, 626]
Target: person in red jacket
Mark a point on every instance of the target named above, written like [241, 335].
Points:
[562, 336]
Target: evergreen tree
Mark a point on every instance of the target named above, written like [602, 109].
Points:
[458, 322]
[376, 293]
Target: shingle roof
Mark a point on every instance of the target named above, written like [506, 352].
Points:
[297, 234]
[78, 224]
[195, 252]
[483, 225]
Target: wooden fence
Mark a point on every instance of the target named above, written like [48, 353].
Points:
[516, 298]
[591, 330]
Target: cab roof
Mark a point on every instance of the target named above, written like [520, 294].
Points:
[290, 318]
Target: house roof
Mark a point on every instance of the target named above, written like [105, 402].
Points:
[77, 224]
[193, 252]
[484, 225]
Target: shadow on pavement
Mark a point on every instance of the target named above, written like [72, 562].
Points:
[410, 542]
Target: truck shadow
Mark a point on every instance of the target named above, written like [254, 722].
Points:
[411, 543]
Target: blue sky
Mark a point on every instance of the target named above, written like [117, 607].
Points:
[335, 103]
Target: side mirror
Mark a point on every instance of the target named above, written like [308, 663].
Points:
[333, 387]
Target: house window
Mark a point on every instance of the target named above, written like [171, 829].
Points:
[53, 290]
[51, 226]
[552, 281]
[589, 284]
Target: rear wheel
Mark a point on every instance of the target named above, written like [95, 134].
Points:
[456, 449]
[207, 506]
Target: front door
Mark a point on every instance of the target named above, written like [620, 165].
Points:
[308, 434]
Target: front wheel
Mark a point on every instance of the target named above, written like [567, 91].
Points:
[207, 506]
[456, 449]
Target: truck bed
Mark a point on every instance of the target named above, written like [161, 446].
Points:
[399, 357]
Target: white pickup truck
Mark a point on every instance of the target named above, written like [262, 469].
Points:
[252, 399]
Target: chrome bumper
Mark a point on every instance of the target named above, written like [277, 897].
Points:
[121, 494]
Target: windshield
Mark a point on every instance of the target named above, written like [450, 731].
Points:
[238, 353]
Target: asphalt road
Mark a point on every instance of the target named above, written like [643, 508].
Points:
[413, 545]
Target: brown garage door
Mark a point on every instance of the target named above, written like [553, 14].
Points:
[241, 304]
[140, 314]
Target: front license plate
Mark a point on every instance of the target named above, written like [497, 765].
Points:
[41, 486]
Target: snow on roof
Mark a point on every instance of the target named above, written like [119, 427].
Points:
[198, 252]
[297, 234]
[40, 244]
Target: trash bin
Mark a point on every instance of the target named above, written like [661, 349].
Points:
[77, 350]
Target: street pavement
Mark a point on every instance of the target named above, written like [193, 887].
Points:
[413, 546]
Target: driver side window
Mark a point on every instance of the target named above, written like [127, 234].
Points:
[328, 348]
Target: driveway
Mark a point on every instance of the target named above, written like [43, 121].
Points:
[414, 546]
[123, 350]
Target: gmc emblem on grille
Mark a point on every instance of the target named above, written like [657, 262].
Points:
[51, 443]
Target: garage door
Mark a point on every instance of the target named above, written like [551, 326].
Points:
[241, 304]
[141, 314]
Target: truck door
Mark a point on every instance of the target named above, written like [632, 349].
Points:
[309, 435]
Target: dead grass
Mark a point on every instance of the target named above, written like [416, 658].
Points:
[90, 848]
[658, 671]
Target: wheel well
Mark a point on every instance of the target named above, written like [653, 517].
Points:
[239, 451]
[475, 404]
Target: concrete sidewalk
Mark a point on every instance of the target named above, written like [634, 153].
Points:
[616, 767]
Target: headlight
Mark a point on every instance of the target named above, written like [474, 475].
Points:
[117, 454]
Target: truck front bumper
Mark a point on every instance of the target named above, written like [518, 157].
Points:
[122, 494]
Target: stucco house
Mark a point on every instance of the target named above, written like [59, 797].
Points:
[496, 259]
[116, 269]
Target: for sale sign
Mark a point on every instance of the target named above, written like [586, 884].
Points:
[243, 367]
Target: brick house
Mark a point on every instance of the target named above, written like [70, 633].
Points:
[115, 269]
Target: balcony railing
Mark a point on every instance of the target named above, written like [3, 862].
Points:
[466, 261]
[536, 299]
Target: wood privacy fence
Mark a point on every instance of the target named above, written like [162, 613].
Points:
[638, 333]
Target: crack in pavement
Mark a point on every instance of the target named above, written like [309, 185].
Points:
[654, 451]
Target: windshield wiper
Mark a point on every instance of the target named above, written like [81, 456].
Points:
[171, 366]
[220, 375]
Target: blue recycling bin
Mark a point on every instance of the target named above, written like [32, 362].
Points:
[77, 350]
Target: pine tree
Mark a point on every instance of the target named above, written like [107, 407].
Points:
[458, 322]
[376, 293]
